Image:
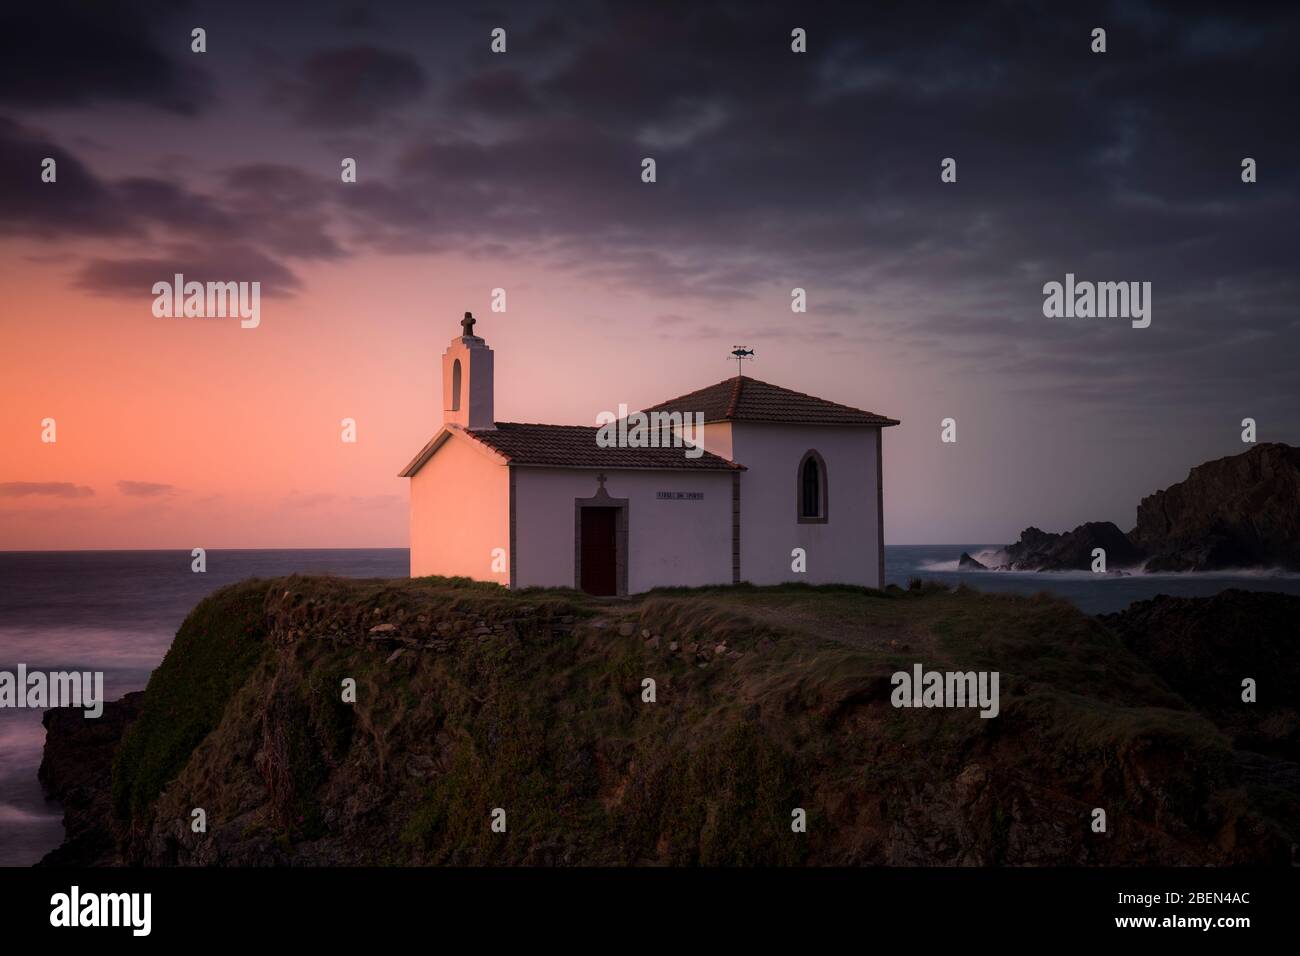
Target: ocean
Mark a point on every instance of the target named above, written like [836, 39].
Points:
[117, 611]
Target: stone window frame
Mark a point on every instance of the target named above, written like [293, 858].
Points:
[824, 501]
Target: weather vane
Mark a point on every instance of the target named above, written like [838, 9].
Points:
[741, 353]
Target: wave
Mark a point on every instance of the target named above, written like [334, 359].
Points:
[992, 558]
[11, 814]
[19, 736]
[44, 647]
[1221, 573]
[987, 556]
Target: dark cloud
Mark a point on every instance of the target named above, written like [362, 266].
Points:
[358, 18]
[81, 204]
[77, 203]
[52, 489]
[497, 93]
[284, 209]
[64, 53]
[237, 231]
[822, 171]
[817, 170]
[350, 86]
[171, 205]
[145, 489]
[135, 277]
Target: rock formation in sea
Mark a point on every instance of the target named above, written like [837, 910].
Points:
[1242, 511]
[76, 769]
[1073, 551]
[1237, 512]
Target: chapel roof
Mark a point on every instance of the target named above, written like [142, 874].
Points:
[574, 446]
[745, 399]
[737, 399]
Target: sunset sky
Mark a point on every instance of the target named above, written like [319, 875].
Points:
[522, 170]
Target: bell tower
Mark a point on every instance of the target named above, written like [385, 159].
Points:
[467, 380]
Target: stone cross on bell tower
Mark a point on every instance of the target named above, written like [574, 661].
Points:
[467, 380]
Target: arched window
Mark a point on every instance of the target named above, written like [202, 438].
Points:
[811, 502]
[812, 489]
[455, 386]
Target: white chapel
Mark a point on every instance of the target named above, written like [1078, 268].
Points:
[555, 506]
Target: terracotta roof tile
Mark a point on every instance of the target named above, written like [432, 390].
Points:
[745, 399]
[574, 446]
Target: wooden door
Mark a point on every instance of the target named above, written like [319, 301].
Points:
[599, 551]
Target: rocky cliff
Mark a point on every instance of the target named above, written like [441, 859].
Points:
[75, 770]
[1073, 551]
[765, 700]
[1237, 512]
[1205, 647]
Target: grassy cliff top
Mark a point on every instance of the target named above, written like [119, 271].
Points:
[471, 697]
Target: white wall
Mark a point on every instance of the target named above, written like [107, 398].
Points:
[845, 549]
[717, 440]
[669, 542]
[460, 511]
